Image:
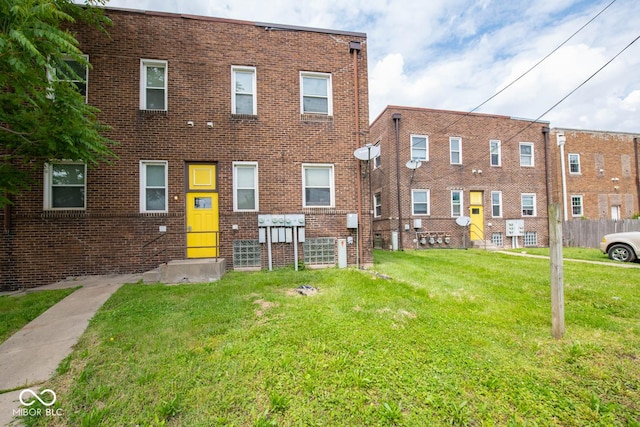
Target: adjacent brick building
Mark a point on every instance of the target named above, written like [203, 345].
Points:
[486, 169]
[219, 122]
[600, 174]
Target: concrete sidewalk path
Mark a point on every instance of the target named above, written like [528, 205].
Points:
[31, 356]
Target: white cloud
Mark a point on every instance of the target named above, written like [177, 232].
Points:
[455, 54]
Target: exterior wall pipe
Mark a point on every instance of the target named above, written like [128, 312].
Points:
[396, 119]
[547, 164]
[355, 48]
[635, 149]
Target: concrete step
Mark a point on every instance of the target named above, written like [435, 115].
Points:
[201, 270]
[481, 244]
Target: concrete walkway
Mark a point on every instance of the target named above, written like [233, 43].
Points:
[607, 263]
[30, 356]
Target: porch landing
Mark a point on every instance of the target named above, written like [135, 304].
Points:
[201, 270]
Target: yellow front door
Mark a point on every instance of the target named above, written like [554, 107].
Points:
[476, 228]
[202, 211]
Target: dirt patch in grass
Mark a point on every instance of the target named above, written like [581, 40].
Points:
[264, 306]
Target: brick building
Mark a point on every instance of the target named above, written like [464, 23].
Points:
[439, 166]
[220, 125]
[600, 174]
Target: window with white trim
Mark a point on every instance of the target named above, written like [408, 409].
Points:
[317, 186]
[153, 84]
[526, 154]
[419, 147]
[78, 74]
[245, 186]
[455, 150]
[243, 88]
[377, 205]
[420, 202]
[528, 204]
[65, 185]
[377, 162]
[576, 206]
[496, 204]
[495, 151]
[574, 163]
[315, 93]
[153, 186]
[456, 203]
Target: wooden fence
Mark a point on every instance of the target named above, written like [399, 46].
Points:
[588, 233]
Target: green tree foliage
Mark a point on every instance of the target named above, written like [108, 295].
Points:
[42, 114]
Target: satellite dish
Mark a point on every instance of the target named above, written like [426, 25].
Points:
[414, 164]
[367, 153]
[463, 221]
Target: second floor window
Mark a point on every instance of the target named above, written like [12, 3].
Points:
[574, 163]
[315, 93]
[244, 90]
[153, 85]
[419, 147]
[420, 202]
[526, 154]
[79, 75]
[455, 149]
[495, 152]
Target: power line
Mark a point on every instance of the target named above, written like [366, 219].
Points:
[530, 69]
[575, 89]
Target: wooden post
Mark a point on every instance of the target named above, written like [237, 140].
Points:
[557, 271]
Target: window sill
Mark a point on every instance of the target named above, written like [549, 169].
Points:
[244, 117]
[316, 118]
[153, 112]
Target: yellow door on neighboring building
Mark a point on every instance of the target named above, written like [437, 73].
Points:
[476, 228]
[202, 211]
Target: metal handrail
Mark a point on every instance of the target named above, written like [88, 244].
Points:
[184, 246]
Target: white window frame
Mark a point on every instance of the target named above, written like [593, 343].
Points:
[460, 194]
[48, 186]
[377, 205]
[413, 202]
[458, 151]
[332, 188]
[426, 155]
[377, 161]
[144, 64]
[143, 185]
[498, 145]
[234, 93]
[85, 77]
[581, 205]
[527, 144]
[236, 187]
[499, 205]
[577, 157]
[315, 75]
[533, 196]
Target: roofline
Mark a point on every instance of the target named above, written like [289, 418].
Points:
[267, 26]
[465, 113]
[556, 129]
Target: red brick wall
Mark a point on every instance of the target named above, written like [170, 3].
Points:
[440, 177]
[107, 237]
[608, 175]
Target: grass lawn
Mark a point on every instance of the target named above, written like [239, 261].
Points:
[435, 338]
[18, 310]
[587, 254]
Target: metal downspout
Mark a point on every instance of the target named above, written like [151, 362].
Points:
[396, 119]
[355, 48]
[635, 149]
[547, 165]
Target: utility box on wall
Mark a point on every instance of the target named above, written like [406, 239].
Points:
[515, 227]
[352, 220]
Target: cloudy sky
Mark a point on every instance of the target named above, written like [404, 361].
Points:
[456, 54]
